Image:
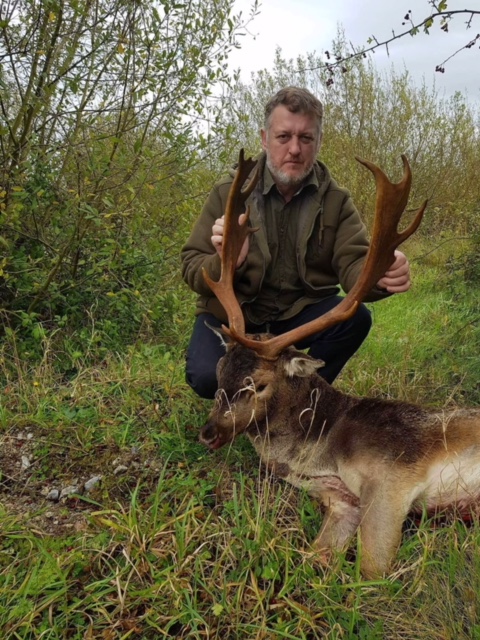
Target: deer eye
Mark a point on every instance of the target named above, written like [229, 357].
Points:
[261, 387]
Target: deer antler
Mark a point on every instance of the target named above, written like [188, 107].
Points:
[391, 200]
[234, 235]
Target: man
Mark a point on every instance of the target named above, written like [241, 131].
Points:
[310, 240]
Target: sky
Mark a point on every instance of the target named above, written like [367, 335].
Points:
[299, 27]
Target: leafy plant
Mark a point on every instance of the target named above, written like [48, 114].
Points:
[103, 114]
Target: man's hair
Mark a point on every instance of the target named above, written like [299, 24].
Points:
[297, 100]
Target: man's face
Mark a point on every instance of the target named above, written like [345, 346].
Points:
[291, 143]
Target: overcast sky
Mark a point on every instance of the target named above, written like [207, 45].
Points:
[306, 26]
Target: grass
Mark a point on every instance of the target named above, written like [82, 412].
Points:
[189, 544]
[424, 345]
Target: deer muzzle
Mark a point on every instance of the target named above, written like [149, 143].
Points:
[212, 437]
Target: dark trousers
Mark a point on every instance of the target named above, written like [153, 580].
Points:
[335, 346]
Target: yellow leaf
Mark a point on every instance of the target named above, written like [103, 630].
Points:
[110, 523]
[120, 48]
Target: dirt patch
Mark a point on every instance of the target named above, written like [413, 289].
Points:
[52, 486]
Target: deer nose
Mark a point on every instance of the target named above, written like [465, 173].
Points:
[209, 435]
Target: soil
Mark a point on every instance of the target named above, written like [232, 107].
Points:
[34, 470]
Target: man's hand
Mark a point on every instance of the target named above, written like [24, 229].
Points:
[397, 278]
[217, 239]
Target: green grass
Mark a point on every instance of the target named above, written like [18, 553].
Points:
[190, 544]
[424, 345]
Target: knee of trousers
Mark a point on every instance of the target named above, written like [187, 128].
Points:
[202, 381]
[355, 329]
[362, 320]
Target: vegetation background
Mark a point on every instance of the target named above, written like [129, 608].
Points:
[116, 118]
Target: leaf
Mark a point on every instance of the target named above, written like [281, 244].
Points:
[269, 571]
[427, 25]
[217, 609]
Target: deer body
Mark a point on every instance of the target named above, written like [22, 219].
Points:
[369, 461]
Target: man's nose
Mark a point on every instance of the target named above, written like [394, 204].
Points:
[294, 147]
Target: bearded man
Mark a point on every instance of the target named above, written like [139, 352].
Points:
[310, 242]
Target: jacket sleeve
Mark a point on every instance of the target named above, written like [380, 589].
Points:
[198, 252]
[350, 249]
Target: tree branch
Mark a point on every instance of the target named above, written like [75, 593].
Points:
[414, 29]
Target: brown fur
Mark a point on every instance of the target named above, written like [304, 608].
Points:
[370, 461]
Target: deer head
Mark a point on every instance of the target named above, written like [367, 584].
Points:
[261, 374]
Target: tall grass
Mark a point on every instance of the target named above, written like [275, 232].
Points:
[189, 544]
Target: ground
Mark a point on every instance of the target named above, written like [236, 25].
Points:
[32, 465]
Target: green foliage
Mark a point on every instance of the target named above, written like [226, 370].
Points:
[104, 120]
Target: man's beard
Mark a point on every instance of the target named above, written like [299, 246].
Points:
[286, 179]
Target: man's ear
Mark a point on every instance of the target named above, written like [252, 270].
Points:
[263, 135]
[218, 331]
[303, 367]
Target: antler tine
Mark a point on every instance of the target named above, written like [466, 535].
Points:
[390, 203]
[234, 235]
[391, 200]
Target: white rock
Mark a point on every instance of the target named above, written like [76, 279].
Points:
[90, 484]
[120, 469]
[67, 491]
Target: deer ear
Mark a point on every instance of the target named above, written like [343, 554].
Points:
[218, 331]
[303, 367]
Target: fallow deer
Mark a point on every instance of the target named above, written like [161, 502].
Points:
[370, 461]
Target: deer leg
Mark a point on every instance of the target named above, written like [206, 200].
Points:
[383, 511]
[340, 522]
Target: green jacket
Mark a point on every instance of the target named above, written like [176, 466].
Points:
[331, 245]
